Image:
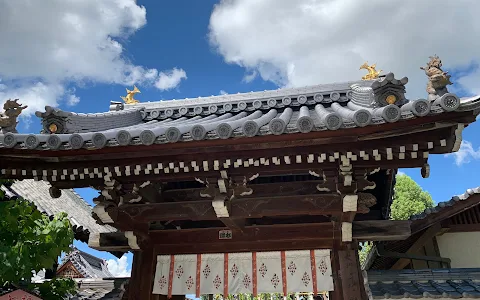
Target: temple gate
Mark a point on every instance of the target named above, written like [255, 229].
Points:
[247, 193]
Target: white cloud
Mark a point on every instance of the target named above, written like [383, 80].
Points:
[400, 173]
[73, 100]
[79, 42]
[222, 92]
[465, 154]
[249, 77]
[171, 79]
[118, 267]
[302, 42]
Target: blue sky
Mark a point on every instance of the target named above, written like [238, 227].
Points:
[90, 51]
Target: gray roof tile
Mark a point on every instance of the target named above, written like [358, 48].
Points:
[425, 284]
[79, 212]
[444, 204]
[314, 108]
[88, 265]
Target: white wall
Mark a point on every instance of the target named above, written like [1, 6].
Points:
[463, 248]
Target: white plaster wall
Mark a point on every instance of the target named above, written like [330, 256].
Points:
[463, 248]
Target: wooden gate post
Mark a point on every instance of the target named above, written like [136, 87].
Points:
[143, 271]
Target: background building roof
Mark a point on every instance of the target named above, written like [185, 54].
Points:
[79, 212]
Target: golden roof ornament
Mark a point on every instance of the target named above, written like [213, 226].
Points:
[129, 98]
[8, 119]
[372, 72]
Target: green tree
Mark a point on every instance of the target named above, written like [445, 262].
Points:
[409, 199]
[30, 241]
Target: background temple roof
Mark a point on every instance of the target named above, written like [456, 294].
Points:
[88, 265]
[79, 212]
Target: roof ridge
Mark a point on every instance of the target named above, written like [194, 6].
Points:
[441, 205]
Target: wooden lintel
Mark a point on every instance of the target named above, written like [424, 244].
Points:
[315, 204]
[284, 232]
[381, 230]
[462, 227]
[261, 238]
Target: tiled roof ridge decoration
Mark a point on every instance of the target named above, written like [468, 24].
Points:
[291, 110]
[8, 119]
[431, 283]
[441, 205]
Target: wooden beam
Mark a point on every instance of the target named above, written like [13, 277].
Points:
[288, 232]
[381, 230]
[409, 257]
[265, 237]
[316, 204]
[463, 227]
[419, 243]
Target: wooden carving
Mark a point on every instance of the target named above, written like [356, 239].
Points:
[8, 119]
[365, 201]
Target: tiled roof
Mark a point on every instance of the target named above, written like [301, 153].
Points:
[79, 212]
[313, 108]
[88, 265]
[424, 284]
[101, 289]
[442, 205]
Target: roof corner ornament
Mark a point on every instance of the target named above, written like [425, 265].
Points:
[128, 99]
[372, 71]
[8, 119]
[437, 78]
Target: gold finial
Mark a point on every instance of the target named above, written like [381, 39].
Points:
[8, 119]
[372, 72]
[129, 98]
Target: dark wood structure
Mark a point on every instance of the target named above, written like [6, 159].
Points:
[290, 169]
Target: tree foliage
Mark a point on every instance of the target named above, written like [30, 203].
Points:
[409, 199]
[30, 241]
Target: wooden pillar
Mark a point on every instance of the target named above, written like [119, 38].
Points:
[140, 286]
[348, 279]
